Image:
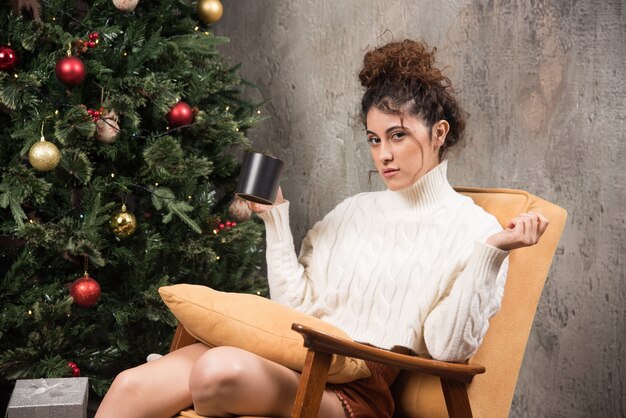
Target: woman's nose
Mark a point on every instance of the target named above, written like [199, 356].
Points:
[385, 155]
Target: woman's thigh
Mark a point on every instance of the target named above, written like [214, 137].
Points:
[237, 382]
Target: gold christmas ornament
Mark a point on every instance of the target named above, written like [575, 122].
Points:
[210, 11]
[125, 5]
[44, 155]
[123, 223]
[107, 128]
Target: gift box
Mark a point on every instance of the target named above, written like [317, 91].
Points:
[49, 398]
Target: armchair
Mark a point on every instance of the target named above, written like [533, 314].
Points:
[433, 389]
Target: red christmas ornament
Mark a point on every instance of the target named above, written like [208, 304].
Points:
[180, 114]
[8, 58]
[85, 291]
[74, 367]
[96, 115]
[221, 226]
[70, 71]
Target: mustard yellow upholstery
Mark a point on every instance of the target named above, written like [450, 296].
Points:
[189, 413]
[502, 350]
[491, 393]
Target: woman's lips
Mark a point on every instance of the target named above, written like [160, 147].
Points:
[390, 172]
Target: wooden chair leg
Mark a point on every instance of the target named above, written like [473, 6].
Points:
[457, 401]
[312, 384]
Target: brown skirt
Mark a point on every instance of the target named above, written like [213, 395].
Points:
[369, 397]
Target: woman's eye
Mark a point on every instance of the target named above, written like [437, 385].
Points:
[373, 140]
[397, 136]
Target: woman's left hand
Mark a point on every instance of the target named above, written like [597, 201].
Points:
[522, 231]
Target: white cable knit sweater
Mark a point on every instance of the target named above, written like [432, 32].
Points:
[408, 268]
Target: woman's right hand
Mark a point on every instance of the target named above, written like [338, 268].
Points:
[260, 208]
[522, 231]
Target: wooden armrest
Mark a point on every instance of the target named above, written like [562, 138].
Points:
[182, 338]
[320, 341]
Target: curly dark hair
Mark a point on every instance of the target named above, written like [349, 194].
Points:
[401, 78]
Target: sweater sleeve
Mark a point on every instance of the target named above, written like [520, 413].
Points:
[456, 326]
[290, 278]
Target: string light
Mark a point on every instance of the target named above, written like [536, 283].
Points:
[15, 75]
[30, 312]
[156, 184]
[258, 111]
[56, 112]
[196, 28]
[217, 258]
[112, 175]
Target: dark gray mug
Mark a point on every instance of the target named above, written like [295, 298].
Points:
[259, 178]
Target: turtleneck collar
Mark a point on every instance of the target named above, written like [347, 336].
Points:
[429, 192]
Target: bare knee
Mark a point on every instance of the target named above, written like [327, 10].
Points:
[127, 382]
[218, 375]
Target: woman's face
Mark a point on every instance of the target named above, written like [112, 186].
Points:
[402, 147]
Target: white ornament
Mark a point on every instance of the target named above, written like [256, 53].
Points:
[239, 209]
[126, 5]
[152, 357]
[107, 128]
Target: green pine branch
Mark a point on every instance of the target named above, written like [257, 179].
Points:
[173, 181]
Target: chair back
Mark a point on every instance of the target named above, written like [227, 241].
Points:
[502, 350]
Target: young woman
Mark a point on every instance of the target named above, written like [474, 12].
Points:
[417, 267]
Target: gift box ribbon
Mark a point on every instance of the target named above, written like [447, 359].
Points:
[43, 387]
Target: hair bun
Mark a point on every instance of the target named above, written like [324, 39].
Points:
[401, 63]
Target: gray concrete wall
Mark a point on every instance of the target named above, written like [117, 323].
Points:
[544, 81]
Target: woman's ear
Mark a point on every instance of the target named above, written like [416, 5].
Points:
[440, 131]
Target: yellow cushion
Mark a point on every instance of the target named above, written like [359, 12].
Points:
[255, 324]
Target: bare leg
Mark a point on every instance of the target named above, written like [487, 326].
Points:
[219, 382]
[229, 381]
[153, 390]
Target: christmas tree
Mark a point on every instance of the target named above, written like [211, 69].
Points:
[122, 132]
